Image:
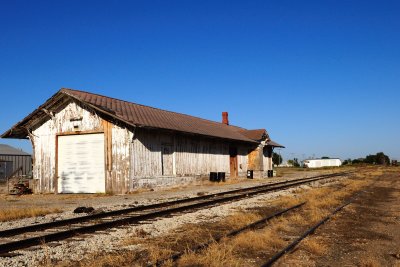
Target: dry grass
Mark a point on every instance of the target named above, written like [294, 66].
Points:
[314, 246]
[121, 259]
[235, 251]
[288, 200]
[369, 262]
[20, 213]
[254, 243]
[369, 172]
[280, 224]
[239, 219]
[217, 255]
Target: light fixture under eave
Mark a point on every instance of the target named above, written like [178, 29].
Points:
[76, 122]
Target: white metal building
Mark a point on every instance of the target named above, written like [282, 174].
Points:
[318, 163]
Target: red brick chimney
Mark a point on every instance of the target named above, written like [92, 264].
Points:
[225, 118]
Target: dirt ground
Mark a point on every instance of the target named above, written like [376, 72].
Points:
[366, 233]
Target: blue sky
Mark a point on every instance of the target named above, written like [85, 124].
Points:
[321, 76]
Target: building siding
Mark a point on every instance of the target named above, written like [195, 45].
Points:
[44, 140]
[134, 159]
[200, 157]
[243, 160]
[146, 159]
[192, 157]
[24, 161]
[121, 158]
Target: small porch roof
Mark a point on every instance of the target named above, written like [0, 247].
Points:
[274, 144]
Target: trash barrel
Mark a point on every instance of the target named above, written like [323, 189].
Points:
[213, 176]
[250, 174]
[221, 176]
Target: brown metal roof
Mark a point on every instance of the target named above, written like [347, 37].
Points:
[141, 116]
[257, 134]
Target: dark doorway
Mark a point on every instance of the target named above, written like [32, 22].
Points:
[167, 159]
[233, 161]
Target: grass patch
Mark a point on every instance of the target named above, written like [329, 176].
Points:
[314, 246]
[20, 213]
[369, 262]
[217, 255]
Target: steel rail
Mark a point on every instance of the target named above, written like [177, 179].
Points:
[63, 234]
[233, 233]
[310, 231]
[43, 226]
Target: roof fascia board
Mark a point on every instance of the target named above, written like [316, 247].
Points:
[22, 123]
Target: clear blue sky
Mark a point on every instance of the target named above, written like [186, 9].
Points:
[323, 77]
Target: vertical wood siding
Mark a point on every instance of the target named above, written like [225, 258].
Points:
[44, 139]
[146, 154]
[120, 173]
[192, 156]
[195, 156]
[267, 161]
[242, 160]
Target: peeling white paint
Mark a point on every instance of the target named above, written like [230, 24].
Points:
[44, 139]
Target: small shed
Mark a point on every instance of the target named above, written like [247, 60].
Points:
[6, 170]
[13, 159]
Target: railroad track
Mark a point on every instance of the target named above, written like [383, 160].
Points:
[252, 226]
[28, 236]
[257, 225]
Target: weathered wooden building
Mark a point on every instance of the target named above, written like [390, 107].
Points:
[89, 143]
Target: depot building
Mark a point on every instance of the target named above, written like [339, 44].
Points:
[88, 143]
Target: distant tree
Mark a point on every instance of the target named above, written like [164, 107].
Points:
[347, 162]
[325, 157]
[357, 161]
[370, 159]
[379, 158]
[382, 159]
[276, 159]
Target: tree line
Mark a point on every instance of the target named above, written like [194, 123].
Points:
[379, 159]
